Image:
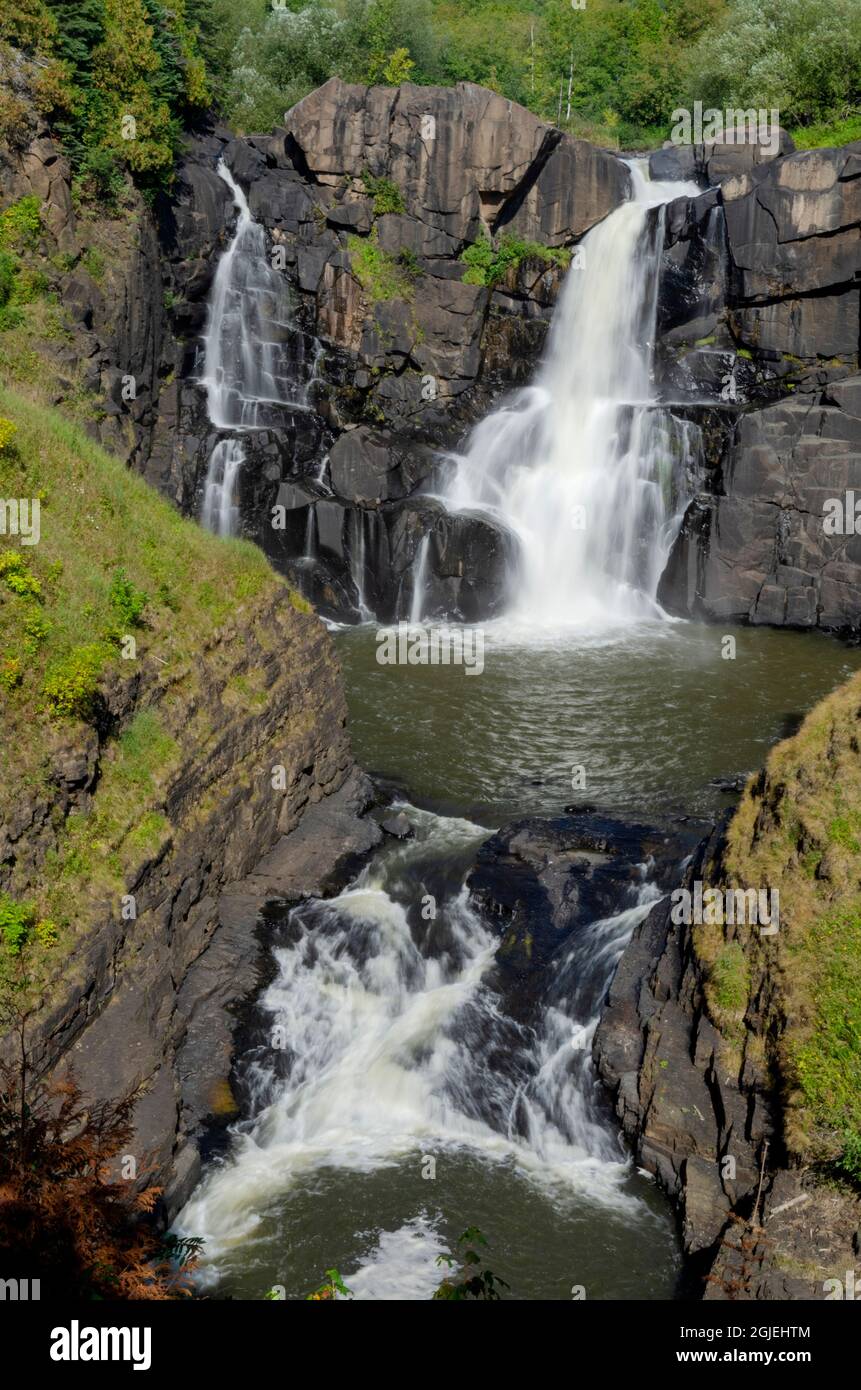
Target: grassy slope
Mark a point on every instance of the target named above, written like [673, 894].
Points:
[98, 517]
[798, 828]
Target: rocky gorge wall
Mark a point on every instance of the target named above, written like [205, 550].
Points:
[759, 329]
[730, 1052]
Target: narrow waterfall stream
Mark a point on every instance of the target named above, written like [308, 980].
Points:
[253, 360]
[389, 1097]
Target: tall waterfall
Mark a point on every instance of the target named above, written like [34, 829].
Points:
[580, 464]
[253, 356]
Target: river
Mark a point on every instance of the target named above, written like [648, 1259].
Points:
[390, 1100]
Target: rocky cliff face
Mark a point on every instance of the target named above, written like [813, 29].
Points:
[260, 760]
[369, 197]
[760, 316]
[730, 1053]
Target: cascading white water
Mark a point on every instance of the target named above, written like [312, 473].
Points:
[420, 566]
[388, 1034]
[579, 465]
[246, 366]
[253, 357]
[219, 508]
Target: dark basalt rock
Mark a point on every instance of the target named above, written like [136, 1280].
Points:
[714, 161]
[758, 552]
[539, 881]
[759, 313]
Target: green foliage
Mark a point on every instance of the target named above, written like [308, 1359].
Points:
[10, 314]
[7, 432]
[386, 195]
[7, 277]
[126, 76]
[476, 1280]
[36, 630]
[72, 683]
[800, 56]
[332, 1284]
[16, 922]
[827, 133]
[488, 264]
[729, 979]
[20, 225]
[398, 68]
[843, 831]
[280, 55]
[94, 263]
[381, 275]
[142, 750]
[98, 177]
[828, 1062]
[849, 1162]
[17, 575]
[127, 602]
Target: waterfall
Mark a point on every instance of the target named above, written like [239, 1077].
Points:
[384, 1037]
[420, 565]
[357, 560]
[253, 360]
[219, 512]
[251, 330]
[578, 464]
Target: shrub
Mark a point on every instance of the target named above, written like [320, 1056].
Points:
[16, 921]
[94, 263]
[487, 265]
[475, 1279]
[71, 684]
[99, 178]
[381, 275]
[7, 430]
[127, 602]
[386, 194]
[17, 575]
[11, 674]
[8, 269]
[35, 631]
[20, 225]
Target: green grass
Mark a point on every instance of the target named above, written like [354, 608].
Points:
[828, 133]
[113, 557]
[730, 978]
[801, 833]
[828, 1061]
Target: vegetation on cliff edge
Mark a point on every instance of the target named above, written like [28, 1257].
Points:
[798, 830]
[120, 588]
